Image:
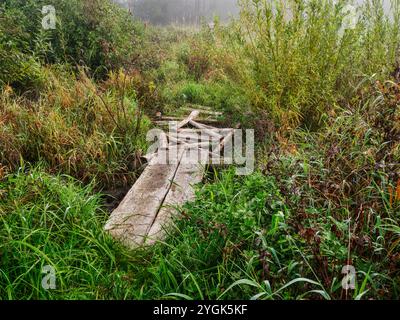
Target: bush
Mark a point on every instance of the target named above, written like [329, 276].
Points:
[18, 67]
[94, 33]
[76, 127]
[296, 70]
[19, 70]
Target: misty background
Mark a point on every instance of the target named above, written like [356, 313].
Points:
[181, 11]
[165, 12]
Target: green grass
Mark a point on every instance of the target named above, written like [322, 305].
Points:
[326, 192]
[52, 221]
[239, 239]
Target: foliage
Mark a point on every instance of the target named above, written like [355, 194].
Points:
[319, 200]
[53, 221]
[296, 59]
[96, 34]
[76, 127]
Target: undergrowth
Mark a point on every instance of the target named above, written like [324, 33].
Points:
[75, 104]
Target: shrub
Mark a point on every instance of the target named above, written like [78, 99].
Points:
[94, 33]
[297, 69]
[19, 70]
[76, 127]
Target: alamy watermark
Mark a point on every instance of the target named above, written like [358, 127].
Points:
[203, 146]
[49, 17]
[350, 18]
[349, 280]
[49, 280]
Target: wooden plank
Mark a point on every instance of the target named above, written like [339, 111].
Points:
[182, 191]
[207, 129]
[200, 136]
[200, 125]
[223, 142]
[179, 119]
[187, 143]
[198, 145]
[204, 121]
[174, 140]
[162, 145]
[163, 142]
[133, 218]
[204, 111]
[147, 210]
[191, 117]
[148, 157]
[199, 131]
[208, 121]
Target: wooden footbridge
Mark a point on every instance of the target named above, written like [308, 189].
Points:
[177, 164]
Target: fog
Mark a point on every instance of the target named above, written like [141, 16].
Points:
[181, 11]
[189, 11]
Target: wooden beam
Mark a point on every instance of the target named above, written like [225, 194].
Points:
[205, 111]
[207, 129]
[182, 191]
[191, 117]
[132, 220]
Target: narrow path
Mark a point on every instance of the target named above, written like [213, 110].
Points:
[144, 215]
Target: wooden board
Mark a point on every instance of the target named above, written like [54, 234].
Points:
[182, 191]
[144, 215]
[131, 221]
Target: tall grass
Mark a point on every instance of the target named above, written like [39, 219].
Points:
[77, 127]
[53, 221]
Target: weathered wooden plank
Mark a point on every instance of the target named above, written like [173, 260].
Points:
[131, 221]
[226, 140]
[191, 117]
[208, 118]
[191, 136]
[204, 144]
[204, 111]
[145, 213]
[207, 129]
[181, 191]
[162, 145]
[174, 140]
[163, 142]
[200, 125]
[199, 131]
[165, 123]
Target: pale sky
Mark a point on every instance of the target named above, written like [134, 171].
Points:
[219, 7]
